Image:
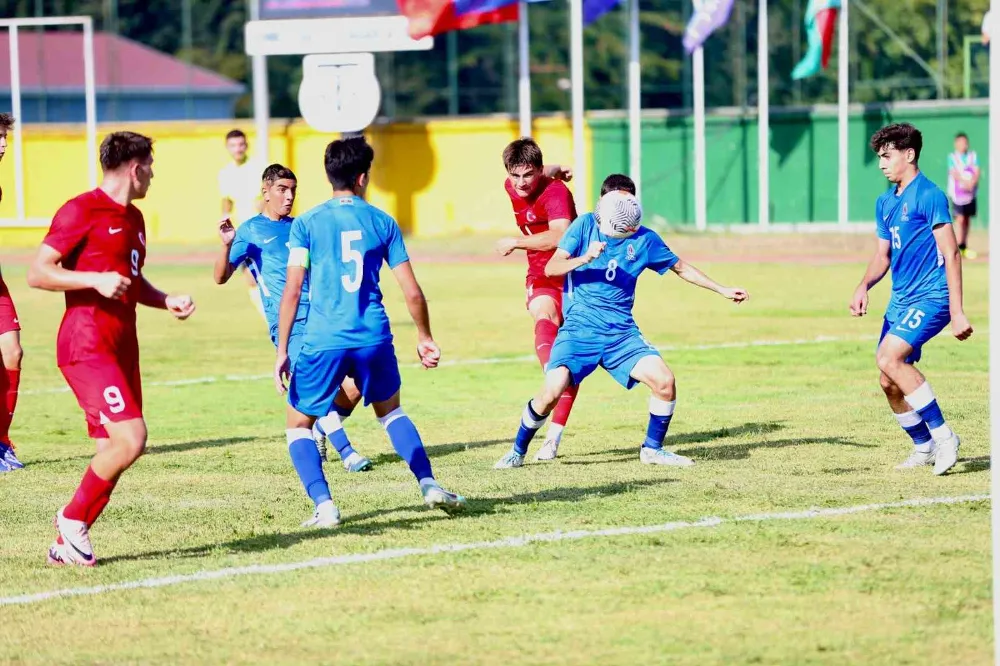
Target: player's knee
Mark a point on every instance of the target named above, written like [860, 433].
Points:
[132, 443]
[664, 385]
[12, 354]
[887, 361]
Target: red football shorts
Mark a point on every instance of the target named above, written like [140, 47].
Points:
[544, 286]
[107, 390]
[8, 315]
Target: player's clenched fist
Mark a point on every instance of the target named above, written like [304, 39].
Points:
[736, 294]
[505, 246]
[594, 250]
[960, 326]
[181, 306]
[429, 353]
[111, 285]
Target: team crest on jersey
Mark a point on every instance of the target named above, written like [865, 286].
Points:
[630, 252]
[530, 216]
[906, 213]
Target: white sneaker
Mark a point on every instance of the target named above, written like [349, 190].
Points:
[510, 460]
[918, 459]
[326, 516]
[74, 541]
[648, 456]
[549, 450]
[947, 454]
[436, 497]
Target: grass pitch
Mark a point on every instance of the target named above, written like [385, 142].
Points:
[773, 428]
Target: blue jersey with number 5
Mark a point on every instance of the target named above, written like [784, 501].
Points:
[343, 242]
[907, 221]
[601, 294]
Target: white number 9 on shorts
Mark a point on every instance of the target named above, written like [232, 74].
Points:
[113, 396]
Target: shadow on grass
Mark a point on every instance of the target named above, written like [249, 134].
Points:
[970, 465]
[691, 438]
[437, 450]
[158, 449]
[364, 524]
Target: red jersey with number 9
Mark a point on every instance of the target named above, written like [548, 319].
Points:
[551, 200]
[94, 233]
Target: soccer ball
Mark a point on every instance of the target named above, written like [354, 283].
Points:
[618, 214]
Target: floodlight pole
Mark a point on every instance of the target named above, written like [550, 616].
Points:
[261, 96]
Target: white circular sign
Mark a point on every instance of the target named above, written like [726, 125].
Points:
[339, 92]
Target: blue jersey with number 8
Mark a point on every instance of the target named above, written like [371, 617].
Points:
[907, 221]
[601, 294]
[343, 244]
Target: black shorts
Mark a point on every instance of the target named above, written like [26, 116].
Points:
[965, 210]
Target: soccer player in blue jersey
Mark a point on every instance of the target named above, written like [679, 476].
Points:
[915, 241]
[341, 245]
[261, 244]
[602, 255]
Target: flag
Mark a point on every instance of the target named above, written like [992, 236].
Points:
[709, 16]
[595, 9]
[821, 21]
[434, 17]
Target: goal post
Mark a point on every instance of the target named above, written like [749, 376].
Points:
[13, 27]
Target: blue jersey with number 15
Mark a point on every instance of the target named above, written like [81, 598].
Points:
[907, 220]
[343, 243]
[601, 294]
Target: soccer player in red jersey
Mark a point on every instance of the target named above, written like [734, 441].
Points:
[95, 251]
[10, 346]
[543, 209]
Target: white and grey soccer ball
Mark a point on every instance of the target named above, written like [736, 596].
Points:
[619, 214]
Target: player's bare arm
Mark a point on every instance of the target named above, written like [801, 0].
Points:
[692, 275]
[180, 306]
[944, 235]
[296, 276]
[547, 240]
[427, 350]
[46, 272]
[562, 263]
[223, 270]
[878, 266]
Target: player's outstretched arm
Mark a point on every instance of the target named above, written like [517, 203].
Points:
[877, 268]
[944, 235]
[46, 272]
[558, 172]
[296, 276]
[547, 240]
[562, 263]
[690, 273]
[223, 270]
[427, 350]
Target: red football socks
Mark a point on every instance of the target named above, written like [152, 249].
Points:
[90, 498]
[545, 335]
[13, 380]
[565, 405]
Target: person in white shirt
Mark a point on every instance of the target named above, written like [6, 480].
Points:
[987, 27]
[240, 188]
[963, 183]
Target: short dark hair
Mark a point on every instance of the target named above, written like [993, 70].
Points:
[618, 181]
[276, 172]
[346, 160]
[522, 152]
[6, 121]
[236, 134]
[901, 136]
[962, 135]
[119, 148]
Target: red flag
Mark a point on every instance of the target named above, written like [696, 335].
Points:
[434, 17]
[826, 21]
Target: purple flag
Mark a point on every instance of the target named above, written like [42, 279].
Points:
[709, 16]
[595, 9]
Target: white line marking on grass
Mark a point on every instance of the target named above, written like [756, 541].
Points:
[509, 542]
[491, 361]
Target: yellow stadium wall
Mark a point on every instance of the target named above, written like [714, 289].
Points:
[437, 177]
